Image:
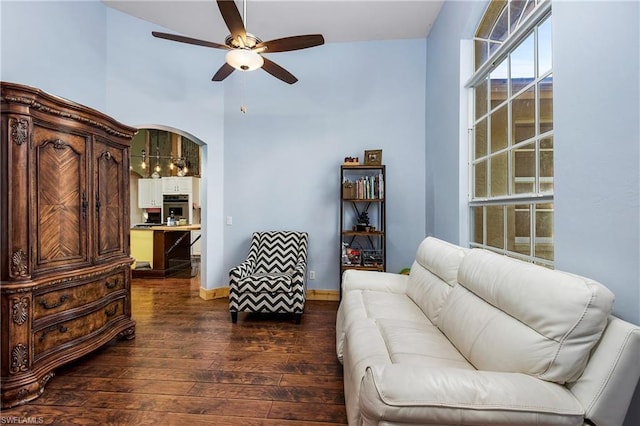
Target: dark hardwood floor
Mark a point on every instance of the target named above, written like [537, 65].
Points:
[190, 365]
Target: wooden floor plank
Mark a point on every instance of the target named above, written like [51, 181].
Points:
[307, 412]
[189, 364]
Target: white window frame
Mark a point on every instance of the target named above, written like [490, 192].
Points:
[524, 30]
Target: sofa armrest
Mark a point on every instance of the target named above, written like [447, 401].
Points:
[414, 394]
[354, 279]
[607, 384]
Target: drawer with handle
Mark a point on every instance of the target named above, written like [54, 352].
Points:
[67, 298]
[55, 335]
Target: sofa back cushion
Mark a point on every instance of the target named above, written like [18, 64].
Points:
[433, 273]
[512, 316]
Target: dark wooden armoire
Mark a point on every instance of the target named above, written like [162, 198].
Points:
[65, 267]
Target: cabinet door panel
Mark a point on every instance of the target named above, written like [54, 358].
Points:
[149, 193]
[110, 204]
[155, 190]
[177, 185]
[59, 181]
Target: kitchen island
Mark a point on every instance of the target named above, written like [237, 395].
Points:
[161, 251]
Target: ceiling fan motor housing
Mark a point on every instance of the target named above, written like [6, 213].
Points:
[250, 41]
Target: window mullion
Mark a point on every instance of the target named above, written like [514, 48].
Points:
[514, 199]
[532, 229]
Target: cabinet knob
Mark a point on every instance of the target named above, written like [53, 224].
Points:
[111, 285]
[111, 312]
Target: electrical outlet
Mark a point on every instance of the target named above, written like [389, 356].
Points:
[229, 220]
[312, 275]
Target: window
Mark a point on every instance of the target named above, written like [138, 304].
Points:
[511, 165]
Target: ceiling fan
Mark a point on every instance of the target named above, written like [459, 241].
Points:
[245, 49]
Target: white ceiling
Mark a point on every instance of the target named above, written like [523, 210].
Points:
[336, 20]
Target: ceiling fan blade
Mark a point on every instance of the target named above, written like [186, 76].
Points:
[278, 72]
[189, 40]
[223, 72]
[291, 43]
[232, 18]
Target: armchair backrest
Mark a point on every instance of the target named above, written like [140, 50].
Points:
[278, 251]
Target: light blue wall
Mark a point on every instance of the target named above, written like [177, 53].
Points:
[108, 61]
[277, 165]
[596, 110]
[457, 21]
[597, 119]
[104, 59]
[152, 82]
[41, 46]
[282, 157]
[597, 156]
[597, 138]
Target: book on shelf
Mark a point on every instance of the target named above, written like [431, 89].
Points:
[364, 188]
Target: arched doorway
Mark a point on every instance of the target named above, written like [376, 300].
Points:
[160, 156]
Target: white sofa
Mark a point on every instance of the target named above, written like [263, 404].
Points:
[473, 337]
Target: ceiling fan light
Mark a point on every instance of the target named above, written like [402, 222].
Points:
[244, 59]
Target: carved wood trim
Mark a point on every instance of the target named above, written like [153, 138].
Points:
[57, 143]
[19, 358]
[19, 130]
[107, 271]
[64, 114]
[20, 308]
[128, 334]
[19, 264]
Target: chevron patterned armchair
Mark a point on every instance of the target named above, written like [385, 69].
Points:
[272, 277]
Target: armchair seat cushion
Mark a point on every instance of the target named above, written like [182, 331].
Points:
[266, 283]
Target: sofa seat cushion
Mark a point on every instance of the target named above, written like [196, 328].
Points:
[512, 316]
[419, 342]
[440, 395]
[266, 283]
[365, 304]
[393, 341]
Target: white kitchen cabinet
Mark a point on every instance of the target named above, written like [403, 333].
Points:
[177, 185]
[149, 193]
